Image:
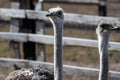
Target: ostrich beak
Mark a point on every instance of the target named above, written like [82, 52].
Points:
[49, 14]
[115, 28]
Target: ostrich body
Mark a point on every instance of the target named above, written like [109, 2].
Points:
[103, 32]
[39, 73]
[22, 74]
[57, 19]
[42, 73]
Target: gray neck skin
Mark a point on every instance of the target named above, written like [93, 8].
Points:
[104, 56]
[58, 33]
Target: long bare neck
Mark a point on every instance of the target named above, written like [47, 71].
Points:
[104, 56]
[58, 33]
[103, 43]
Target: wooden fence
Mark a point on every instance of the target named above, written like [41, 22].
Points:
[23, 12]
[40, 15]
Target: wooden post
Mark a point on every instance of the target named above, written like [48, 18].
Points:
[15, 28]
[28, 26]
[41, 55]
[102, 7]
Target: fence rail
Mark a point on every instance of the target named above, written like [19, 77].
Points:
[95, 2]
[48, 39]
[6, 14]
[67, 69]
[68, 1]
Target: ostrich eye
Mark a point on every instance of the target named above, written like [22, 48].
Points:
[59, 13]
[105, 26]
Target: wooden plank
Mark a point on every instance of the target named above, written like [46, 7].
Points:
[69, 18]
[15, 26]
[73, 18]
[67, 69]
[69, 1]
[6, 14]
[74, 1]
[40, 29]
[21, 37]
[47, 39]
[114, 46]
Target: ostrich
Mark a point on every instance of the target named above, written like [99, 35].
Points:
[103, 32]
[21, 74]
[39, 73]
[56, 17]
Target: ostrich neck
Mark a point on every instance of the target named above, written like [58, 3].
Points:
[58, 29]
[58, 33]
[104, 58]
[103, 44]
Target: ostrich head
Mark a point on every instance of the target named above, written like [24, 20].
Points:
[56, 14]
[103, 31]
[106, 28]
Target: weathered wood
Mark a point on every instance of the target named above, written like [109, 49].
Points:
[40, 29]
[41, 55]
[5, 14]
[74, 1]
[67, 69]
[21, 37]
[69, 1]
[47, 39]
[15, 25]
